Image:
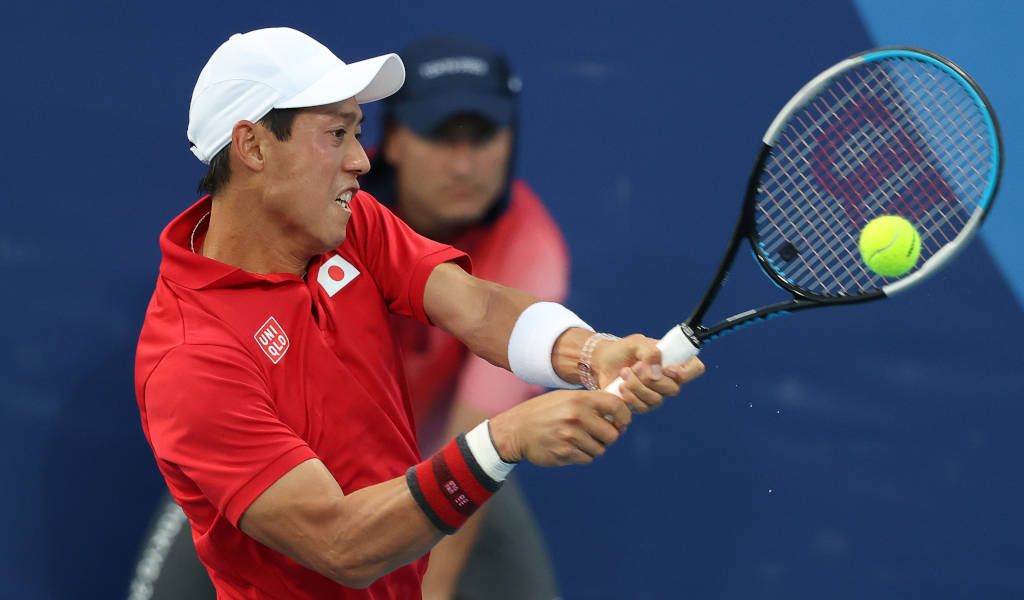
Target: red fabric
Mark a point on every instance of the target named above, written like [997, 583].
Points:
[240, 377]
[523, 248]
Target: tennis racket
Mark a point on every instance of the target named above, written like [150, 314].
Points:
[891, 131]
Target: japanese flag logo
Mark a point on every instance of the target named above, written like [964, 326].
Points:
[335, 274]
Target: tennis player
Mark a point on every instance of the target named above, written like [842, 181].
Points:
[268, 382]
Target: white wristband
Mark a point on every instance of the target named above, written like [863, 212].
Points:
[533, 338]
[482, 446]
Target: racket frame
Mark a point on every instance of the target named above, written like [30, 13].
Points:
[746, 227]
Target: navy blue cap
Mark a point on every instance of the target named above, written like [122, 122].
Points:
[446, 76]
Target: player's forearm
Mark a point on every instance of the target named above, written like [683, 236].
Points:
[352, 539]
[370, 541]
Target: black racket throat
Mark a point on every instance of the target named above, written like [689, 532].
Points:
[740, 232]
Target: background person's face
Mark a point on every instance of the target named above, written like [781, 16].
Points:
[449, 180]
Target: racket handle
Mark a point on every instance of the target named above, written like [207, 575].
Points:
[677, 347]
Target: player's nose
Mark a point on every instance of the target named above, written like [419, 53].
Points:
[356, 160]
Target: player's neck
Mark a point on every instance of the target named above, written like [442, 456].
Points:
[241, 236]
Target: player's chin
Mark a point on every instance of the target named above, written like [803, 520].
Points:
[329, 240]
[338, 225]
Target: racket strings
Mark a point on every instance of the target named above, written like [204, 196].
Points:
[907, 172]
[974, 138]
[912, 204]
[836, 257]
[897, 136]
[944, 142]
[805, 187]
[933, 234]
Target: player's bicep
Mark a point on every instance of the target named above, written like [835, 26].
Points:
[298, 516]
[452, 297]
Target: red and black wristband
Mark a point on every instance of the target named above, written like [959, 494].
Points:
[450, 486]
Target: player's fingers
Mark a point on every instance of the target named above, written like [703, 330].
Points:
[614, 409]
[588, 444]
[685, 372]
[602, 429]
[580, 457]
[648, 355]
[651, 377]
[640, 398]
[567, 453]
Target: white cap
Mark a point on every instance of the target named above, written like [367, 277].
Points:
[254, 72]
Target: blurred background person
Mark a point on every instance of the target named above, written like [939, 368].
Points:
[445, 166]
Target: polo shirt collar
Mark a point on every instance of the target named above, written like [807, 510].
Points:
[185, 267]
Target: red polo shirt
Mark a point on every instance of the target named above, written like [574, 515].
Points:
[240, 377]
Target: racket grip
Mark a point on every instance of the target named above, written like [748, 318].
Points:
[677, 346]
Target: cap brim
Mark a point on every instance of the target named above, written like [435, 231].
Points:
[424, 115]
[366, 81]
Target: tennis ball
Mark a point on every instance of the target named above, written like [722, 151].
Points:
[889, 245]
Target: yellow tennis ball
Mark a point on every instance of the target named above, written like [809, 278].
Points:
[889, 245]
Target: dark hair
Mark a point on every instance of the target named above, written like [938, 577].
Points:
[278, 121]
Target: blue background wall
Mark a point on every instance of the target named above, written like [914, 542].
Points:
[862, 452]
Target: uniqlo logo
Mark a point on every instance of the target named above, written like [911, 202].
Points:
[272, 338]
[335, 274]
[450, 487]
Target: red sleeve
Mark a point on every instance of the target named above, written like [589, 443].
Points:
[221, 429]
[399, 259]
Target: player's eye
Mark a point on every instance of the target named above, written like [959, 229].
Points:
[340, 134]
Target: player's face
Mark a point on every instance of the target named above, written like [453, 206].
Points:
[450, 180]
[311, 177]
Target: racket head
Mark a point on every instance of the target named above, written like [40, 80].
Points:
[888, 131]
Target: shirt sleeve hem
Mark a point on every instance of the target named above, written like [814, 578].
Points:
[259, 484]
[422, 271]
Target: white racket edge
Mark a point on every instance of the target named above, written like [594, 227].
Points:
[676, 348]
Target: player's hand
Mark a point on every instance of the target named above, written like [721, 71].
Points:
[637, 360]
[560, 428]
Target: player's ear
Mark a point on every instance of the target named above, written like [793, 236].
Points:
[246, 143]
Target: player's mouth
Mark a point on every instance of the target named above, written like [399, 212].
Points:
[344, 199]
